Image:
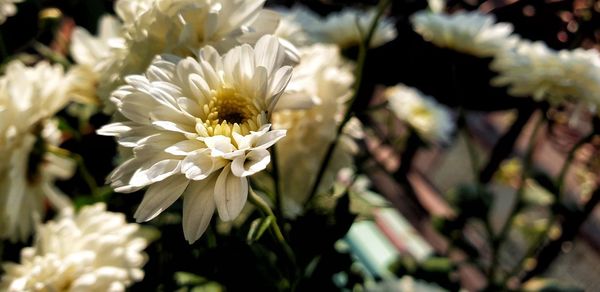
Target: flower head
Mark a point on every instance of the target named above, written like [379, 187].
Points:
[198, 128]
[348, 27]
[429, 119]
[93, 55]
[181, 28]
[295, 24]
[28, 97]
[533, 69]
[94, 250]
[466, 32]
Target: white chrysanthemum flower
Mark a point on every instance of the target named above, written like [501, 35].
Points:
[28, 182]
[533, 69]
[198, 129]
[181, 28]
[429, 119]
[472, 33]
[294, 25]
[7, 9]
[94, 250]
[348, 28]
[93, 55]
[327, 78]
[28, 96]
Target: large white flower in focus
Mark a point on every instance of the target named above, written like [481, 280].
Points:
[198, 129]
[28, 97]
[429, 119]
[472, 33]
[93, 250]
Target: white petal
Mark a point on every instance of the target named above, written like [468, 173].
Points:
[184, 147]
[160, 196]
[115, 129]
[198, 208]
[200, 164]
[269, 53]
[268, 139]
[219, 145]
[255, 161]
[156, 172]
[231, 193]
[137, 107]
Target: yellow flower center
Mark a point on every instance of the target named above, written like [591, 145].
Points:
[229, 112]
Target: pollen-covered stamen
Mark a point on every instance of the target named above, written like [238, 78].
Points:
[228, 112]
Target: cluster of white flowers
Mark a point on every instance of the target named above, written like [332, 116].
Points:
[181, 28]
[528, 69]
[198, 128]
[345, 28]
[533, 69]
[28, 97]
[466, 32]
[93, 250]
[429, 119]
[7, 9]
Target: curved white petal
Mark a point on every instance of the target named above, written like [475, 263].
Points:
[253, 162]
[200, 164]
[230, 195]
[198, 208]
[160, 196]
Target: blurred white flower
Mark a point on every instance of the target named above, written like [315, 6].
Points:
[295, 23]
[7, 9]
[436, 6]
[94, 250]
[28, 97]
[182, 27]
[93, 55]
[533, 69]
[198, 128]
[429, 119]
[348, 28]
[324, 76]
[472, 33]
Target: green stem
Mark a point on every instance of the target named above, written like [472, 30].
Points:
[377, 107]
[498, 240]
[83, 171]
[276, 183]
[560, 180]
[264, 208]
[473, 158]
[362, 55]
[47, 52]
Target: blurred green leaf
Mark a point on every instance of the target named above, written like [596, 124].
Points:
[258, 228]
[548, 285]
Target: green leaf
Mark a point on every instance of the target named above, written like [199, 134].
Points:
[548, 285]
[185, 279]
[258, 227]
